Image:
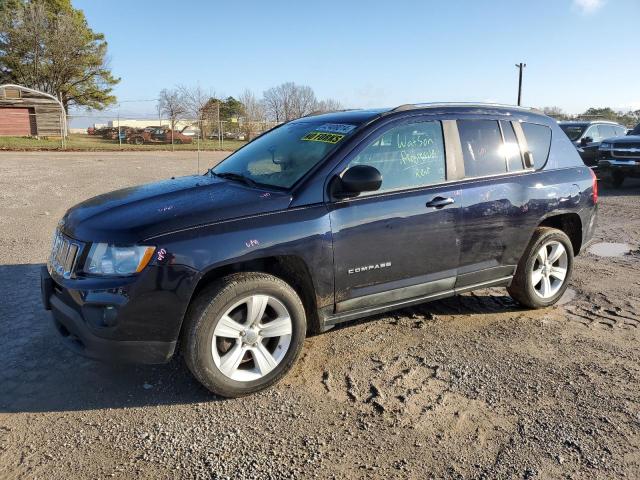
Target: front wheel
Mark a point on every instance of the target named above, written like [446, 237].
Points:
[244, 333]
[544, 270]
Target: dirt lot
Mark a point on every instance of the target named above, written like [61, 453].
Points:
[470, 387]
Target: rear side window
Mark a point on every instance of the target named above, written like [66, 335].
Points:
[482, 147]
[539, 142]
[407, 156]
[511, 148]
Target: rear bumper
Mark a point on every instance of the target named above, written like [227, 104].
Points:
[76, 325]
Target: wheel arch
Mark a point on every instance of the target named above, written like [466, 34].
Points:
[289, 268]
[570, 223]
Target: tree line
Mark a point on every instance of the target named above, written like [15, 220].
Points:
[629, 118]
[248, 112]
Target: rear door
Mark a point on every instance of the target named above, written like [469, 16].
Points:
[494, 200]
[594, 137]
[402, 241]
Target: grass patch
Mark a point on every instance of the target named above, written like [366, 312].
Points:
[84, 143]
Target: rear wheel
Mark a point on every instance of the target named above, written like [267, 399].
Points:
[244, 333]
[177, 141]
[544, 270]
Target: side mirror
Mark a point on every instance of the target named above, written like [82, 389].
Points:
[528, 159]
[357, 179]
[585, 140]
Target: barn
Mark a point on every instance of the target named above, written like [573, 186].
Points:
[25, 112]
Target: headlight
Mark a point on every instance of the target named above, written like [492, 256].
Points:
[605, 146]
[107, 259]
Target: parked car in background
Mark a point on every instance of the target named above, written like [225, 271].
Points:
[191, 132]
[619, 157]
[319, 221]
[158, 135]
[587, 136]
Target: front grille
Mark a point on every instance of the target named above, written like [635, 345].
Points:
[626, 145]
[627, 153]
[64, 254]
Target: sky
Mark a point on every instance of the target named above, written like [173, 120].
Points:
[579, 53]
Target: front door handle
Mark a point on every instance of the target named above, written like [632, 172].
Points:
[440, 202]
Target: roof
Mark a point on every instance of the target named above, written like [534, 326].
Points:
[585, 122]
[361, 116]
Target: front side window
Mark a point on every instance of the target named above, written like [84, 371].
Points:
[606, 131]
[593, 133]
[407, 156]
[482, 147]
[538, 141]
[284, 155]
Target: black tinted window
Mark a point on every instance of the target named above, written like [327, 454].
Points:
[539, 141]
[482, 147]
[407, 156]
[511, 148]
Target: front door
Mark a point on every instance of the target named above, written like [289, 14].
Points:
[400, 242]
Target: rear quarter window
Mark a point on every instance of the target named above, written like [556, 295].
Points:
[539, 142]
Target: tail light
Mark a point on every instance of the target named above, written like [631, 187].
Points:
[594, 186]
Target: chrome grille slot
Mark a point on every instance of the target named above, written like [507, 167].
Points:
[64, 253]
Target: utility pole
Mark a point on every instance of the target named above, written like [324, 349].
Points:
[520, 66]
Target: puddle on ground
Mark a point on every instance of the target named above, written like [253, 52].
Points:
[607, 249]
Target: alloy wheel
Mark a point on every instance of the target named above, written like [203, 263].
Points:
[549, 270]
[251, 338]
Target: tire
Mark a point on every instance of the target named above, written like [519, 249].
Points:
[617, 179]
[542, 294]
[177, 142]
[138, 141]
[211, 355]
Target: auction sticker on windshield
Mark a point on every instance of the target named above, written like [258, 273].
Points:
[343, 128]
[316, 136]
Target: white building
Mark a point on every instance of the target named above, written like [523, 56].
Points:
[136, 123]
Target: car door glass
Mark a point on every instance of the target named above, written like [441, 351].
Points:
[482, 147]
[407, 156]
[511, 149]
[538, 142]
[593, 133]
[606, 131]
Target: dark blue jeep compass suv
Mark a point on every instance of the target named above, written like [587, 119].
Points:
[319, 221]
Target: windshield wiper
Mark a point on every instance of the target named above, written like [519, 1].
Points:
[238, 177]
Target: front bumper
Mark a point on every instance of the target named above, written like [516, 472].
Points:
[627, 166]
[124, 324]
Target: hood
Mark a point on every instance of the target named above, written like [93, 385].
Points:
[134, 214]
[625, 139]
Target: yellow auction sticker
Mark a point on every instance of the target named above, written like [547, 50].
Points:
[323, 137]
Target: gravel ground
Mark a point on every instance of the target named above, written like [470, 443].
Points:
[469, 387]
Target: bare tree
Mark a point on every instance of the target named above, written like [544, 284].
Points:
[196, 101]
[289, 101]
[329, 105]
[303, 101]
[172, 105]
[254, 114]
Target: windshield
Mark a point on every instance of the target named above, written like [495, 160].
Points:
[281, 157]
[635, 131]
[574, 132]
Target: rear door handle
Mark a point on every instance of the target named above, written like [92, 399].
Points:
[440, 202]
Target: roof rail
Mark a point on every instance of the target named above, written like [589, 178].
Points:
[413, 106]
